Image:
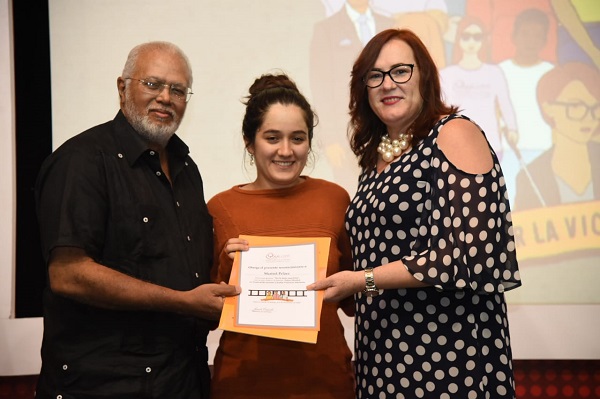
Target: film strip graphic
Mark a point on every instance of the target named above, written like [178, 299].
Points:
[277, 295]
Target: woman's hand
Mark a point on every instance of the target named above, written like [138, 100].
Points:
[235, 244]
[339, 285]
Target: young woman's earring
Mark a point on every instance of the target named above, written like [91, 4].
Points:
[251, 159]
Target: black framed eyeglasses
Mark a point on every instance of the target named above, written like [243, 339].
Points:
[577, 110]
[154, 86]
[400, 73]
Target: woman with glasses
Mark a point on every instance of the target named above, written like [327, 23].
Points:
[281, 201]
[569, 98]
[431, 236]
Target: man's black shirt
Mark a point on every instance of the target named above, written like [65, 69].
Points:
[104, 191]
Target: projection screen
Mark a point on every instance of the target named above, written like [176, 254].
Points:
[232, 42]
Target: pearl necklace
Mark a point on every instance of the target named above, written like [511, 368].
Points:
[390, 149]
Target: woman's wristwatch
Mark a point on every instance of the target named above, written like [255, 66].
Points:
[371, 289]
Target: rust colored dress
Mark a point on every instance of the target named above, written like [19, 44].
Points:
[248, 366]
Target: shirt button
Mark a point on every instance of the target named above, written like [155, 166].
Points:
[148, 369]
[152, 153]
[177, 203]
[120, 155]
[197, 275]
[145, 219]
[65, 367]
[186, 164]
[158, 173]
[188, 238]
[58, 396]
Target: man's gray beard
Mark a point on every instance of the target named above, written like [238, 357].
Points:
[158, 134]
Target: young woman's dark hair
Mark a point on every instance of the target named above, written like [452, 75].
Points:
[272, 89]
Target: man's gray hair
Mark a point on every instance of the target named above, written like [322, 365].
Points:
[134, 54]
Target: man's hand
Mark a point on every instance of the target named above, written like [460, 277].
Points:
[75, 275]
[206, 301]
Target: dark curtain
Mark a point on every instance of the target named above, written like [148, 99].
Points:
[33, 144]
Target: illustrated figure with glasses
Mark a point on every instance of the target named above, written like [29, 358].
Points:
[569, 98]
[478, 87]
[127, 238]
[431, 235]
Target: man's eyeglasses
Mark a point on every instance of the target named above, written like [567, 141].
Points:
[153, 86]
[401, 73]
[577, 111]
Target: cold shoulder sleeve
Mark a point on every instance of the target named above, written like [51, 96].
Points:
[465, 238]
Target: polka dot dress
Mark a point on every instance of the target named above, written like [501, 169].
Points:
[452, 230]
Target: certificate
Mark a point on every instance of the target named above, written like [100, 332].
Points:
[273, 275]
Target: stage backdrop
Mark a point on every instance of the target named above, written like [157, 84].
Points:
[491, 55]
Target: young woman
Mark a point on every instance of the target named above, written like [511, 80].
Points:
[278, 133]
